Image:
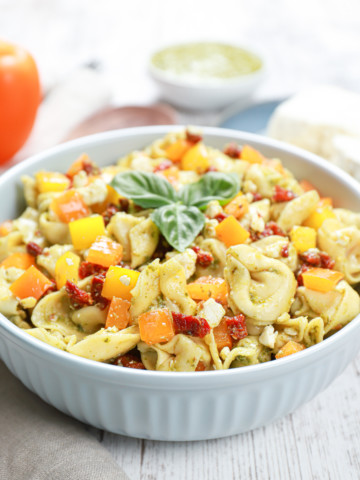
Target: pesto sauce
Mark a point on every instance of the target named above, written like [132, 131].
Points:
[206, 61]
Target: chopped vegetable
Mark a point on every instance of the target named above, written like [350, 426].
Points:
[237, 326]
[196, 158]
[156, 326]
[105, 252]
[203, 259]
[67, 268]
[316, 219]
[118, 315]
[97, 285]
[112, 198]
[283, 195]
[190, 325]
[119, 282]
[69, 206]
[249, 154]
[85, 231]
[289, 348]
[5, 228]
[303, 238]
[18, 260]
[170, 174]
[86, 269]
[34, 249]
[316, 258]
[321, 279]
[177, 150]
[79, 298]
[79, 164]
[208, 287]
[230, 232]
[32, 283]
[238, 206]
[306, 186]
[51, 182]
[222, 335]
[129, 361]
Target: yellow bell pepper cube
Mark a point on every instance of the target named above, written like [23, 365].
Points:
[303, 238]
[249, 154]
[316, 219]
[112, 197]
[230, 232]
[289, 348]
[196, 158]
[321, 279]
[67, 268]
[119, 282]
[85, 231]
[5, 228]
[105, 252]
[238, 206]
[51, 182]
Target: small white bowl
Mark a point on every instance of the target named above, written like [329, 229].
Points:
[196, 93]
[169, 405]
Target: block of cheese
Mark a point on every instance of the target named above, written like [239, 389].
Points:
[346, 154]
[312, 118]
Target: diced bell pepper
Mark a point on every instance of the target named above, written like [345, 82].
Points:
[303, 238]
[251, 155]
[208, 287]
[105, 252]
[230, 232]
[118, 315]
[67, 268]
[156, 326]
[119, 282]
[85, 231]
[321, 279]
[316, 219]
[51, 182]
[175, 151]
[196, 158]
[238, 206]
[32, 283]
[69, 206]
[289, 348]
[18, 260]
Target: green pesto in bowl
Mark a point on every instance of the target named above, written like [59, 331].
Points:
[206, 61]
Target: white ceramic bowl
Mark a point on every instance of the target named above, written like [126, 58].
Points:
[176, 406]
[207, 95]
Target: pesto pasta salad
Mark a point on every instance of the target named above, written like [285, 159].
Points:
[180, 257]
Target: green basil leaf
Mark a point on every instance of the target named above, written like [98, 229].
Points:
[179, 224]
[145, 189]
[212, 186]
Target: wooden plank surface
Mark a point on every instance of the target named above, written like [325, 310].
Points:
[319, 441]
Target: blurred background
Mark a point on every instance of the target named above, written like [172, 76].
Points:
[303, 43]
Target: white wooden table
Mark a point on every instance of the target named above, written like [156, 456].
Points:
[304, 42]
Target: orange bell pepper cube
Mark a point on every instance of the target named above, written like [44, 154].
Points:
[238, 206]
[249, 154]
[69, 206]
[51, 182]
[321, 279]
[289, 348]
[32, 283]
[118, 315]
[208, 287]
[196, 158]
[222, 336]
[170, 174]
[105, 252]
[230, 232]
[85, 231]
[119, 282]
[5, 228]
[175, 151]
[78, 165]
[318, 216]
[67, 268]
[18, 260]
[156, 326]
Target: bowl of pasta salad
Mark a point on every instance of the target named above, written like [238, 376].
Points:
[178, 284]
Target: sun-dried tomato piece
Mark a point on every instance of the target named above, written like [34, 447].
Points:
[163, 166]
[86, 269]
[200, 367]
[211, 169]
[220, 217]
[271, 228]
[190, 325]
[299, 277]
[204, 259]
[97, 284]
[233, 150]
[283, 195]
[78, 297]
[284, 252]
[124, 205]
[257, 197]
[34, 249]
[129, 361]
[237, 326]
[109, 212]
[193, 137]
[90, 168]
[316, 258]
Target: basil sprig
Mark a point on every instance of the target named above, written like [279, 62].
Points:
[177, 214]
